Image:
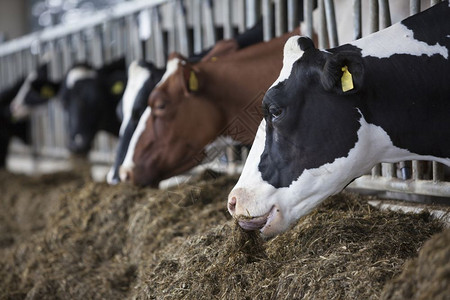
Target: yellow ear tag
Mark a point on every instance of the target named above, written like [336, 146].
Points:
[346, 80]
[193, 82]
[47, 92]
[214, 58]
[117, 88]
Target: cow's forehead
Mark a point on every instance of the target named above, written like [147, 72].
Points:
[172, 66]
[291, 53]
[78, 73]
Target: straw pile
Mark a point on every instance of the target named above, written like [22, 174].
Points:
[65, 237]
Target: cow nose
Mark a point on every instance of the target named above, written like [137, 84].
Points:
[232, 204]
[125, 174]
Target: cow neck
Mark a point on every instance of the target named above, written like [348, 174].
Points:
[237, 83]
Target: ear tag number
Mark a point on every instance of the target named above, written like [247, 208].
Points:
[346, 80]
[117, 88]
[193, 82]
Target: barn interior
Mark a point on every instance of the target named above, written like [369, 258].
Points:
[65, 233]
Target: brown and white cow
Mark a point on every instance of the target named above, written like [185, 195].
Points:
[196, 103]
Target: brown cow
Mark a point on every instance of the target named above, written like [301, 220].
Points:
[195, 104]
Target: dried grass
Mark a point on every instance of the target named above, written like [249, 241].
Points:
[65, 237]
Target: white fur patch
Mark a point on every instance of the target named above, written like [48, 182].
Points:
[137, 76]
[172, 66]
[397, 39]
[128, 160]
[291, 54]
[78, 73]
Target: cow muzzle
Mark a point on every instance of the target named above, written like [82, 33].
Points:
[240, 205]
[125, 173]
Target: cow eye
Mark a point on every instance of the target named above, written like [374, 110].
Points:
[275, 112]
[159, 104]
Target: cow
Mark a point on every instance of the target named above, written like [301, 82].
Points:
[196, 103]
[10, 127]
[36, 89]
[333, 114]
[90, 97]
[143, 77]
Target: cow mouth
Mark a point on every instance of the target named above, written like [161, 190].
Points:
[257, 223]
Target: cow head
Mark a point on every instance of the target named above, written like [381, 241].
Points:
[90, 97]
[36, 89]
[177, 125]
[142, 79]
[79, 96]
[312, 142]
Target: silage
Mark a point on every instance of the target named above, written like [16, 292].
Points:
[94, 241]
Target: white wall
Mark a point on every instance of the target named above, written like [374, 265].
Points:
[13, 18]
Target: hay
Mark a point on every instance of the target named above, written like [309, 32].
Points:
[427, 276]
[344, 250]
[89, 240]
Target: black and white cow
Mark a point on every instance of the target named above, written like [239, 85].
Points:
[16, 103]
[333, 114]
[90, 97]
[35, 89]
[142, 78]
[10, 127]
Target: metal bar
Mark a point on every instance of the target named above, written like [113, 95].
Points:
[385, 14]
[280, 13]
[438, 172]
[182, 28]
[134, 43]
[422, 187]
[323, 40]
[67, 55]
[292, 14]
[197, 25]
[357, 29]
[434, 2]
[160, 59]
[414, 7]
[373, 16]
[331, 23]
[417, 170]
[251, 11]
[227, 20]
[106, 41]
[240, 15]
[388, 170]
[118, 11]
[210, 31]
[376, 170]
[79, 44]
[267, 20]
[308, 16]
[96, 47]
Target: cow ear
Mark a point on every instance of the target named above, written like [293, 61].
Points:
[343, 73]
[190, 79]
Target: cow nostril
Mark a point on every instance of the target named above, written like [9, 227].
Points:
[232, 204]
[125, 174]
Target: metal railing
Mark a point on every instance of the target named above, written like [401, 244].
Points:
[151, 29]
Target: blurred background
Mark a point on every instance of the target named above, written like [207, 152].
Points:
[20, 17]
